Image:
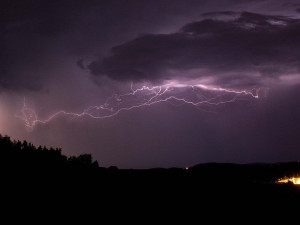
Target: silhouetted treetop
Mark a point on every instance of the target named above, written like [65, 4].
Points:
[23, 155]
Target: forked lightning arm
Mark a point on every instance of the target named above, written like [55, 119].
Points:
[196, 95]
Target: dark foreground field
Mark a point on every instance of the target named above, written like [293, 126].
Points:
[29, 171]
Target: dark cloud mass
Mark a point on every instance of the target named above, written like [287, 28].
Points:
[36, 33]
[263, 45]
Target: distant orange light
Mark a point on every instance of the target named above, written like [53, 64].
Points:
[294, 180]
[186, 168]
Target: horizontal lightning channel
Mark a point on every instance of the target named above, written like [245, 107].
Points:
[196, 95]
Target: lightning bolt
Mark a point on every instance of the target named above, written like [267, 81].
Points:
[197, 95]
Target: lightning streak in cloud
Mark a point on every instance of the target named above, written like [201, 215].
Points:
[198, 95]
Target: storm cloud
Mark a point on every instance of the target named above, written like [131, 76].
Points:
[70, 55]
[37, 36]
[246, 48]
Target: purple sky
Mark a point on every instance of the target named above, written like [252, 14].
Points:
[70, 55]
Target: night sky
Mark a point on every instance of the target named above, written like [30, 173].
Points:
[241, 58]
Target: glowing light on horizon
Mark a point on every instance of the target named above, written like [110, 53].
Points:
[294, 180]
[197, 95]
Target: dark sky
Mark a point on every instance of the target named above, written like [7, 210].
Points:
[70, 55]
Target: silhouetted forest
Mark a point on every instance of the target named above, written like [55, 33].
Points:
[24, 155]
[17, 155]
[22, 161]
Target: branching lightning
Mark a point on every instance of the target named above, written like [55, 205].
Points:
[198, 95]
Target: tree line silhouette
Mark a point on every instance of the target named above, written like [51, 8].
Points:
[36, 172]
[16, 155]
[23, 157]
